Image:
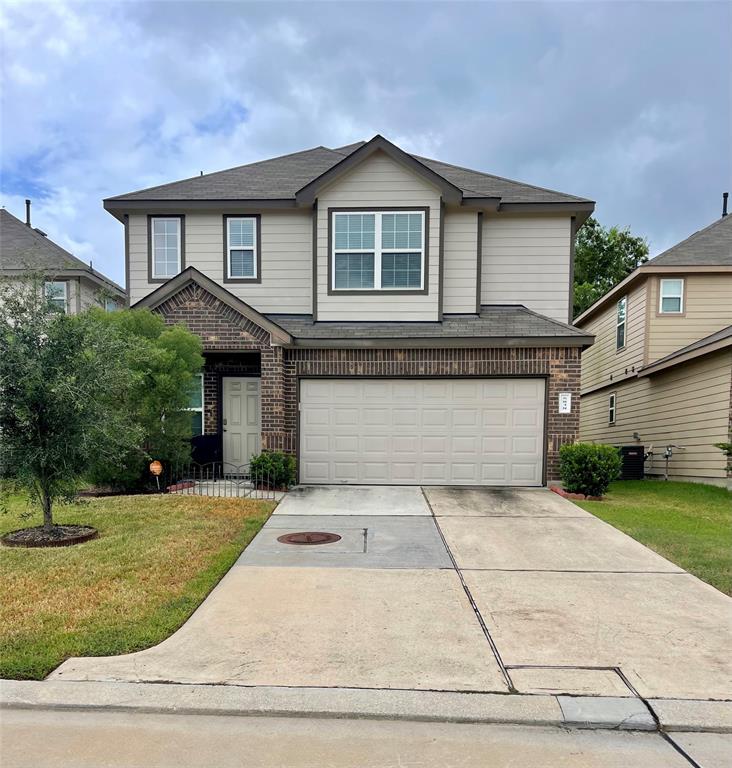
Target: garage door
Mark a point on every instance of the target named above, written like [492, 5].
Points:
[429, 431]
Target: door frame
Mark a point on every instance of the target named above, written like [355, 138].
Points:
[220, 418]
[545, 420]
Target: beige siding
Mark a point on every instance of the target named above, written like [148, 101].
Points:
[375, 182]
[460, 270]
[286, 259]
[526, 261]
[707, 308]
[688, 405]
[602, 360]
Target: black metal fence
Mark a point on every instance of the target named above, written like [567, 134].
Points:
[219, 479]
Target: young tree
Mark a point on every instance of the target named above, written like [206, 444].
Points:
[602, 258]
[62, 379]
[166, 361]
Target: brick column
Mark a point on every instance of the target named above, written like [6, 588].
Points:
[275, 435]
[562, 428]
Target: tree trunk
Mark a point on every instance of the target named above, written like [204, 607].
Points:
[47, 514]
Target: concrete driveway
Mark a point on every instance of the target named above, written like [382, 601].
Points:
[447, 589]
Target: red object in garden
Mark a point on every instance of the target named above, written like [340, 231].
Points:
[573, 496]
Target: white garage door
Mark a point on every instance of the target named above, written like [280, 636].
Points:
[429, 431]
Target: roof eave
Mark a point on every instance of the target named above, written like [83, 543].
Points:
[670, 362]
[441, 342]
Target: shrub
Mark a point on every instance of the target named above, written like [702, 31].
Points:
[273, 469]
[588, 468]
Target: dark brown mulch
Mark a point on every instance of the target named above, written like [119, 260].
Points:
[58, 536]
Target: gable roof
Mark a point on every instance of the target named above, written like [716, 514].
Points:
[192, 275]
[25, 249]
[281, 179]
[708, 250]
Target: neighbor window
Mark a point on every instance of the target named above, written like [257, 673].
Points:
[611, 408]
[166, 244]
[378, 251]
[620, 324]
[57, 292]
[195, 405]
[110, 305]
[241, 247]
[671, 297]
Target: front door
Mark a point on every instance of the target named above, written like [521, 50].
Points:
[242, 420]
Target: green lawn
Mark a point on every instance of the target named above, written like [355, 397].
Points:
[688, 523]
[157, 557]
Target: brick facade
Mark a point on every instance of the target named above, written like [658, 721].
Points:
[222, 329]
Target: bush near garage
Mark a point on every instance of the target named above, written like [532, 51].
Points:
[273, 469]
[588, 468]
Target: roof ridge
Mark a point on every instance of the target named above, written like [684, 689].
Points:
[217, 173]
[500, 178]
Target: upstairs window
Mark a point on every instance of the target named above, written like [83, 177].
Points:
[379, 251]
[620, 323]
[611, 408]
[242, 247]
[671, 297]
[57, 292]
[166, 233]
[110, 305]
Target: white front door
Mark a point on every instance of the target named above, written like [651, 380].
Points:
[422, 431]
[242, 420]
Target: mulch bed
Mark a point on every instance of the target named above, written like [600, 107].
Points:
[573, 496]
[58, 536]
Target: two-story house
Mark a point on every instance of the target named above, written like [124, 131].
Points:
[660, 371]
[387, 318]
[68, 282]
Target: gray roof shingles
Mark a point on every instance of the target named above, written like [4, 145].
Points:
[496, 322]
[709, 247]
[707, 341]
[22, 248]
[280, 178]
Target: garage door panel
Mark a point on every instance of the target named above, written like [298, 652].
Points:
[432, 431]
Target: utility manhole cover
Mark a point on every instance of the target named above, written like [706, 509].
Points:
[309, 537]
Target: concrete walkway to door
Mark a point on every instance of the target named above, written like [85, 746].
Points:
[448, 589]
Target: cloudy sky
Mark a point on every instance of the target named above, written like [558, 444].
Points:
[626, 103]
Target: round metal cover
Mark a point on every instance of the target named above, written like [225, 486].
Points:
[309, 537]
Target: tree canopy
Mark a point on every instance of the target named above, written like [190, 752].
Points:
[602, 258]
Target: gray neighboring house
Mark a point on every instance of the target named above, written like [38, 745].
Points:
[72, 284]
[387, 318]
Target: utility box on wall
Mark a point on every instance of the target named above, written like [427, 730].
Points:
[633, 458]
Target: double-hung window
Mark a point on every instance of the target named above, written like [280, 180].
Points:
[380, 251]
[57, 293]
[621, 322]
[166, 243]
[671, 297]
[242, 241]
[195, 404]
[611, 408]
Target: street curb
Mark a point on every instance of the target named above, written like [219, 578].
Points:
[358, 703]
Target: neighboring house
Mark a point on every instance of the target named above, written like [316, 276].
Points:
[68, 281]
[386, 318]
[660, 371]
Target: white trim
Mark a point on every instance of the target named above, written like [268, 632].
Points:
[201, 409]
[229, 248]
[177, 221]
[679, 296]
[624, 323]
[65, 285]
[377, 250]
[612, 408]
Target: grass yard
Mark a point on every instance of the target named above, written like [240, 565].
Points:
[155, 560]
[688, 523]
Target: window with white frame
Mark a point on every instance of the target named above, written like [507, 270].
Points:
[241, 247]
[195, 404]
[671, 297]
[621, 322]
[378, 251]
[166, 246]
[57, 292]
[611, 408]
[110, 305]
